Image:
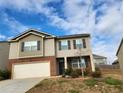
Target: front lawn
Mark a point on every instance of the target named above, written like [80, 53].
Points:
[78, 85]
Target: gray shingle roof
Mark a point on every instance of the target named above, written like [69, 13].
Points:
[73, 36]
[98, 56]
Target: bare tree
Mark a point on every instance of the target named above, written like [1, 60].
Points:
[79, 53]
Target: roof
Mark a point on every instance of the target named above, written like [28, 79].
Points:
[121, 43]
[30, 31]
[73, 36]
[47, 35]
[115, 62]
[98, 56]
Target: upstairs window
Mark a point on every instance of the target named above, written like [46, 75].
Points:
[79, 43]
[64, 45]
[31, 46]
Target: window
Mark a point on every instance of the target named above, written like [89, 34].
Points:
[31, 46]
[64, 45]
[77, 64]
[79, 43]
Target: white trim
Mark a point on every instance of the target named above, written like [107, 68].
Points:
[26, 33]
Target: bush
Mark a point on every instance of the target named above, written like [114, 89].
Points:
[97, 69]
[86, 72]
[96, 74]
[79, 72]
[74, 74]
[5, 74]
[112, 81]
[68, 71]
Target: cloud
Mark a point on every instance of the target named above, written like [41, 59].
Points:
[80, 17]
[2, 37]
[14, 25]
[101, 18]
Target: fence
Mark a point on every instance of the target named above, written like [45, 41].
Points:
[110, 69]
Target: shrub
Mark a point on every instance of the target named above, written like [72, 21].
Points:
[112, 81]
[79, 72]
[68, 71]
[86, 72]
[96, 74]
[97, 69]
[5, 74]
[63, 75]
[90, 82]
[74, 74]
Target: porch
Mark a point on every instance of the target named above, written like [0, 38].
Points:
[74, 63]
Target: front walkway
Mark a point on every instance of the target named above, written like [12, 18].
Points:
[19, 85]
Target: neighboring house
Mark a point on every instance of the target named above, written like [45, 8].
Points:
[115, 62]
[4, 55]
[119, 54]
[99, 60]
[36, 54]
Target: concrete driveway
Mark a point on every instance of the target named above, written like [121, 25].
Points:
[18, 85]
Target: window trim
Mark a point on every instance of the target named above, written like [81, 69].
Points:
[37, 46]
[81, 44]
[67, 45]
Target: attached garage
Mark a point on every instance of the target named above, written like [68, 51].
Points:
[31, 70]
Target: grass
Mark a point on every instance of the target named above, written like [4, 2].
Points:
[90, 82]
[64, 85]
[112, 81]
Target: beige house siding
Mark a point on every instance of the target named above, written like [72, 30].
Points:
[100, 61]
[14, 50]
[73, 52]
[120, 56]
[49, 47]
[32, 53]
[4, 55]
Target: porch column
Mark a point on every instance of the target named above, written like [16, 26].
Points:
[65, 62]
[92, 63]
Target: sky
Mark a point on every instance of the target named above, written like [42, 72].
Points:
[101, 18]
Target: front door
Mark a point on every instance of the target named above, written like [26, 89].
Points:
[61, 66]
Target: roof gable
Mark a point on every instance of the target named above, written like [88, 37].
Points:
[34, 32]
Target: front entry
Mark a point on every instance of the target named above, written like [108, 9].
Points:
[61, 65]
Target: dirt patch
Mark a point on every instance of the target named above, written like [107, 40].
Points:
[63, 85]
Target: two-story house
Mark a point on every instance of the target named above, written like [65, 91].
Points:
[4, 55]
[99, 60]
[37, 54]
